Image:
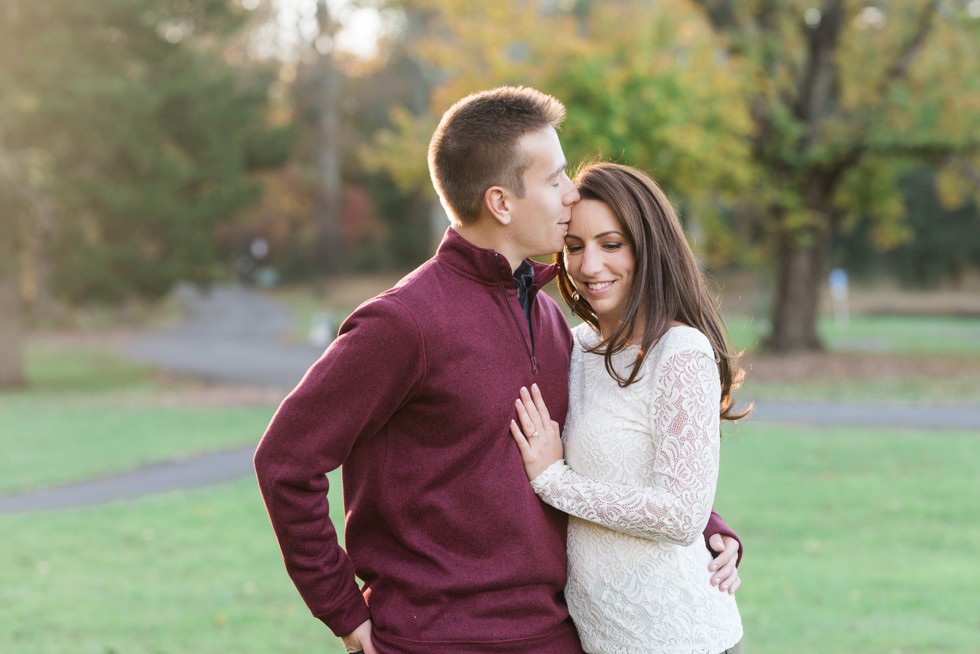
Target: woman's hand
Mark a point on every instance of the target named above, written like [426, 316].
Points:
[537, 435]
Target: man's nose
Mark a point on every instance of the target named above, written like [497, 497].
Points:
[571, 195]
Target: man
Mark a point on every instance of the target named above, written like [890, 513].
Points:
[415, 398]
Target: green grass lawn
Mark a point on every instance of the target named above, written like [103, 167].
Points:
[857, 540]
[950, 338]
[922, 335]
[88, 413]
[947, 347]
[954, 389]
[188, 572]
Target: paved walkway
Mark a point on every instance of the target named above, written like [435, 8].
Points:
[233, 335]
[192, 472]
[230, 334]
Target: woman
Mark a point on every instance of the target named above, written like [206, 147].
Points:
[651, 377]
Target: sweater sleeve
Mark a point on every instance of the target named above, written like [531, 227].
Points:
[717, 525]
[371, 369]
[676, 504]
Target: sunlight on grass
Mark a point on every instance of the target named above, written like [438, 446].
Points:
[46, 444]
[955, 389]
[88, 413]
[81, 369]
[908, 359]
[937, 335]
[906, 335]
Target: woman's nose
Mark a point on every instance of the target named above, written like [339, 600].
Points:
[591, 261]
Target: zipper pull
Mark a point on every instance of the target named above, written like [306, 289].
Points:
[534, 364]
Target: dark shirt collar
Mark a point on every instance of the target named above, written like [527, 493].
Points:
[524, 283]
[524, 276]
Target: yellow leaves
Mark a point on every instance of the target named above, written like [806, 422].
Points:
[954, 188]
[871, 193]
[644, 83]
[936, 94]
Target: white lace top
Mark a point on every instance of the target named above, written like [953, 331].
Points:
[638, 480]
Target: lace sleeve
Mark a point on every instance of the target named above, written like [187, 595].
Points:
[675, 505]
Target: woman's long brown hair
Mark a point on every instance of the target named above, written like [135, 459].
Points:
[668, 283]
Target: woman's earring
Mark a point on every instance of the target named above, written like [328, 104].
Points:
[575, 296]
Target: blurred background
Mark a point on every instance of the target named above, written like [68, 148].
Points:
[195, 193]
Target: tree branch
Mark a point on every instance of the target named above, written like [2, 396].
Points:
[819, 84]
[903, 63]
[900, 68]
[896, 72]
[935, 152]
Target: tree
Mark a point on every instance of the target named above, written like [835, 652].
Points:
[944, 245]
[22, 205]
[126, 120]
[641, 81]
[320, 85]
[327, 211]
[805, 115]
[845, 98]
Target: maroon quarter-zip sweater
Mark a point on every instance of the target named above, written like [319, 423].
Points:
[414, 398]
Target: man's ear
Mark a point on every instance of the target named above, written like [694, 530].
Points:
[497, 201]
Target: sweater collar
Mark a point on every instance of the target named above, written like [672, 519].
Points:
[484, 265]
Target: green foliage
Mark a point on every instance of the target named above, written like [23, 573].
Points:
[144, 136]
[642, 83]
[945, 243]
[844, 96]
[940, 244]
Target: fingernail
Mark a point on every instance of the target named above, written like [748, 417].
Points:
[534, 386]
[712, 567]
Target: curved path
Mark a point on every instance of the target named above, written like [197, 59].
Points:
[234, 335]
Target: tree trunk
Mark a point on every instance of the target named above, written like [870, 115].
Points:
[328, 95]
[800, 270]
[11, 333]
